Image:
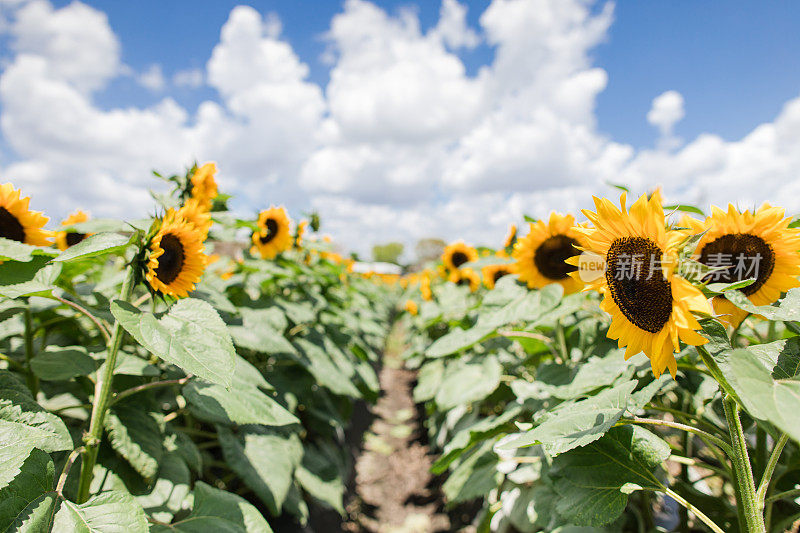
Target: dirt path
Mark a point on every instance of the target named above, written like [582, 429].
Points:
[393, 472]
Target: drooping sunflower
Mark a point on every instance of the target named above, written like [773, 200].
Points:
[466, 276]
[204, 186]
[176, 260]
[457, 254]
[274, 235]
[650, 305]
[540, 255]
[17, 222]
[745, 245]
[194, 212]
[65, 239]
[492, 273]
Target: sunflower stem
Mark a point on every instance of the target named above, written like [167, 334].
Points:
[769, 469]
[746, 488]
[562, 342]
[697, 512]
[33, 380]
[724, 446]
[102, 395]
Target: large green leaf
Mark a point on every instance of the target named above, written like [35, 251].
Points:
[17, 251]
[171, 489]
[25, 425]
[526, 308]
[35, 277]
[136, 433]
[190, 335]
[25, 501]
[319, 363]
[594, 373]
[108, 512]
[466, 382]
[95, 245]
[578, 423]
[475, 476]
[774, 400]
[594, 481]
[242, 404]
[218, 511]
[265, 459]
[782, 356]
[787, 310]
[58, 363]
[320, 475]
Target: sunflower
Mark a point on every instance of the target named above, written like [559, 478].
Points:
[540, 255]
[17, 222]
[176, 261]
[650, 305]
[194, 212]
[65, 239]
[466, 276]
[425, 285]
[274, 235]
[745, 245]
[298, 235]
[411, 307]
[204, 186]
[491, 273]
[457, 254]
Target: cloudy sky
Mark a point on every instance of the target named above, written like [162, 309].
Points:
[401, 120]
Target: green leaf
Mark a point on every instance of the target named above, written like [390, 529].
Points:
[265, 459]
[36, 277]
[782, 356]
[685, 208]
[135, 433]
[720, 288]
[95, 245]
[318, 361]
[594, 373]
[25, 425]
[526, 308]
[58, 363]
[218, 511]
[170, 491]
[484, 429]
[242, 404]
[190, 335]
[320, 476]
[429, 379]
[25, 500]
[262, 339]
[475, 476]
[776, 401]
[17, 251]
[594, 481]
[787, 310]
[577, 423]
[106, 512]
[467, 382]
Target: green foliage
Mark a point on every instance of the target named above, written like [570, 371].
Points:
[387, 253]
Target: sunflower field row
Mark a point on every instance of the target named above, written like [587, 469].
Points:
[637, 372]
[148, 386]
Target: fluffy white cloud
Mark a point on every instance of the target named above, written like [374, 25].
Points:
[401, 144]
[192, 78]
[76, 42]
[666, 111]
[152, 78]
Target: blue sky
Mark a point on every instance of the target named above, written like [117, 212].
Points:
[735, 62]
[395, 119]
